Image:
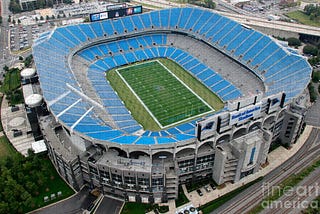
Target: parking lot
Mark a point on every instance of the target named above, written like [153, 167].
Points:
[21, 36]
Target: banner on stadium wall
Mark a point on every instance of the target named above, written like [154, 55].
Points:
[274, 101]
[245, 114]
[206, 128]
[115, 13]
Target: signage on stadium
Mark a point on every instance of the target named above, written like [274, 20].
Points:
[206, 127]
[245, 114]
[115, 13]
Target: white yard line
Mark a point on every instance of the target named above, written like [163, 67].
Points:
[154, 118]
[185, 85]
[148, 110]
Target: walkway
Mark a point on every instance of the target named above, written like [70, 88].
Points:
[16, 120]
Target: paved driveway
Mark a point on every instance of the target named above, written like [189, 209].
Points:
[74, 205]
[109, 205]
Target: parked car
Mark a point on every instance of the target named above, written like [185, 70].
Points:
[199, 192]
[206, 187]
[213, 186]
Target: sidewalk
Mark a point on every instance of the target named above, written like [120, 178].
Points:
[16, 120]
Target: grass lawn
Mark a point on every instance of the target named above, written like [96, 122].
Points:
[168, 100]
[182, 198]
[206, 94]
[10, 87]
[55, 185]
[140, 208]
[6, 149]
[11, 81]
[154, 85]
[210, 206]
[303, 18]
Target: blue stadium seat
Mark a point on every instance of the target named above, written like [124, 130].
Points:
[267, 52]
[164, 18]
[87, 30]
[205, 17]
[174, 17]
[229, 36]
[117, 26]
[96, 27]
[226, 29]
[155, 20]
[127, 23]
[145, 18]
[107, 27]
[137, 22]
[123, 44]
[213, 20]
[193, 18]
[145, 141]
[220, 24]
[70, 37]
[247, 43]
[184, 17]
[125, 139]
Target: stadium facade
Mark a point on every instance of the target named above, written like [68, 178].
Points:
[93, 139]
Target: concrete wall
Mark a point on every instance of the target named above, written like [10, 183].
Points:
[275, 32]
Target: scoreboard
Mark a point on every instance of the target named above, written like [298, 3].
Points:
[115, 13]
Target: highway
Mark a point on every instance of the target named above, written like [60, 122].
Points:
[244, 17]
[253, 196]
[278, 25]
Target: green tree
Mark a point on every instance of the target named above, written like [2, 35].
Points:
[37, 19]
[0, 20]
[4, 207]
[41, 3]
[308, 49]
[315, 76]
[47, 17]
[41, 18]
[14, 6]
[312, 93]
[293, 42]
[6, 68]
[28, 61]
[210, 4]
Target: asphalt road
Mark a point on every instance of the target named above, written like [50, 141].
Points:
[74, 205]
[109, 205]
[253, 196]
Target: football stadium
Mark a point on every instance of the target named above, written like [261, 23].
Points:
[144, 102]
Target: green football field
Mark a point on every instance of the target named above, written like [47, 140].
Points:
[166, 98]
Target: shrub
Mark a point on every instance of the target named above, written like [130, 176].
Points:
[315, 76]
[308, 49]
[293, 41]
